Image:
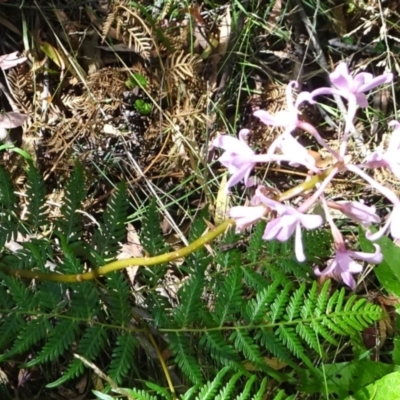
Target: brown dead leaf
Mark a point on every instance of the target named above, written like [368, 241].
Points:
[132, 248]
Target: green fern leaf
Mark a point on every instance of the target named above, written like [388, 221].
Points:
[136, 394]
[243, 342]
[37, 208]
[220, 349]
[257, 245]
[59, 340]
[268, 340]
[118, 299]
[8, 200]
[229, 293]
[295, 303]
[22, 296]
[277, 308]
[89, 347]
[9, 328]
[182, 351]
[255, 280]
[50, 296]
[112, 231]
[247, 389]
[159, 390]
[310, 337]
[256, 309]
[260, 395]
[190, 299]
[122, 357]
[289, 338]
[85, 301]
[34, 331]
[209, 390]
[150, 236]
[226, 392]
[70, 224]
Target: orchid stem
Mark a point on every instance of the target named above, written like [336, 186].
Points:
[156, 260]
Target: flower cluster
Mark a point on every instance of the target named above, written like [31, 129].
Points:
[286, 220]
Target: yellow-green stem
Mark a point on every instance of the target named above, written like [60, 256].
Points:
[161, 259]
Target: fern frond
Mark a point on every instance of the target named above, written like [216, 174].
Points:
[182, 351]
[247, 389]
[70, 223]
[112, 231]
[219, 349]
[85, 301]
[277, 308]
[150, 235]
[59, 340]
[9, 328]
[89, 347]
[209, 390]
[33, 332]
[290, 339]
[260, 395]
[229, 292]
[190, 298]
[270, 342]
[122, 357]
[137, 394]
[243, 342]
[256, 309]
[21, 294]
[226, 392]
[50, 296]
[296, 300]
[37, 208]
[8, 200]
[118, 299]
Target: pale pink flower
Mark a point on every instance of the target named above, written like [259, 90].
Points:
[11, 60]
[10, 120]
[392, 224]
[355, 87]
[389, 158]
[286, 118]
[287, 223]
[352, 88]
[293, 151]
[238, 157]
[343, 266]
[246, 216]
[357, 211]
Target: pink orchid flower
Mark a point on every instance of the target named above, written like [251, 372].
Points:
[287, 223]
[389, 159]
[293, 151]
[352, 88]
[11, 60]
[286, 118]
[343, 266]
[356, 87]
[246, 216]
[238, 157]
[392, 225]
[357, 211]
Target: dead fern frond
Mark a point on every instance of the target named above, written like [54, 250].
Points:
[181, 66]
[19, 85]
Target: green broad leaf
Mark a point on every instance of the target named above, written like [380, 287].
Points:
[136, 80]
[388, 271]
[342, 379]
[382, 389]
[143, 107]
